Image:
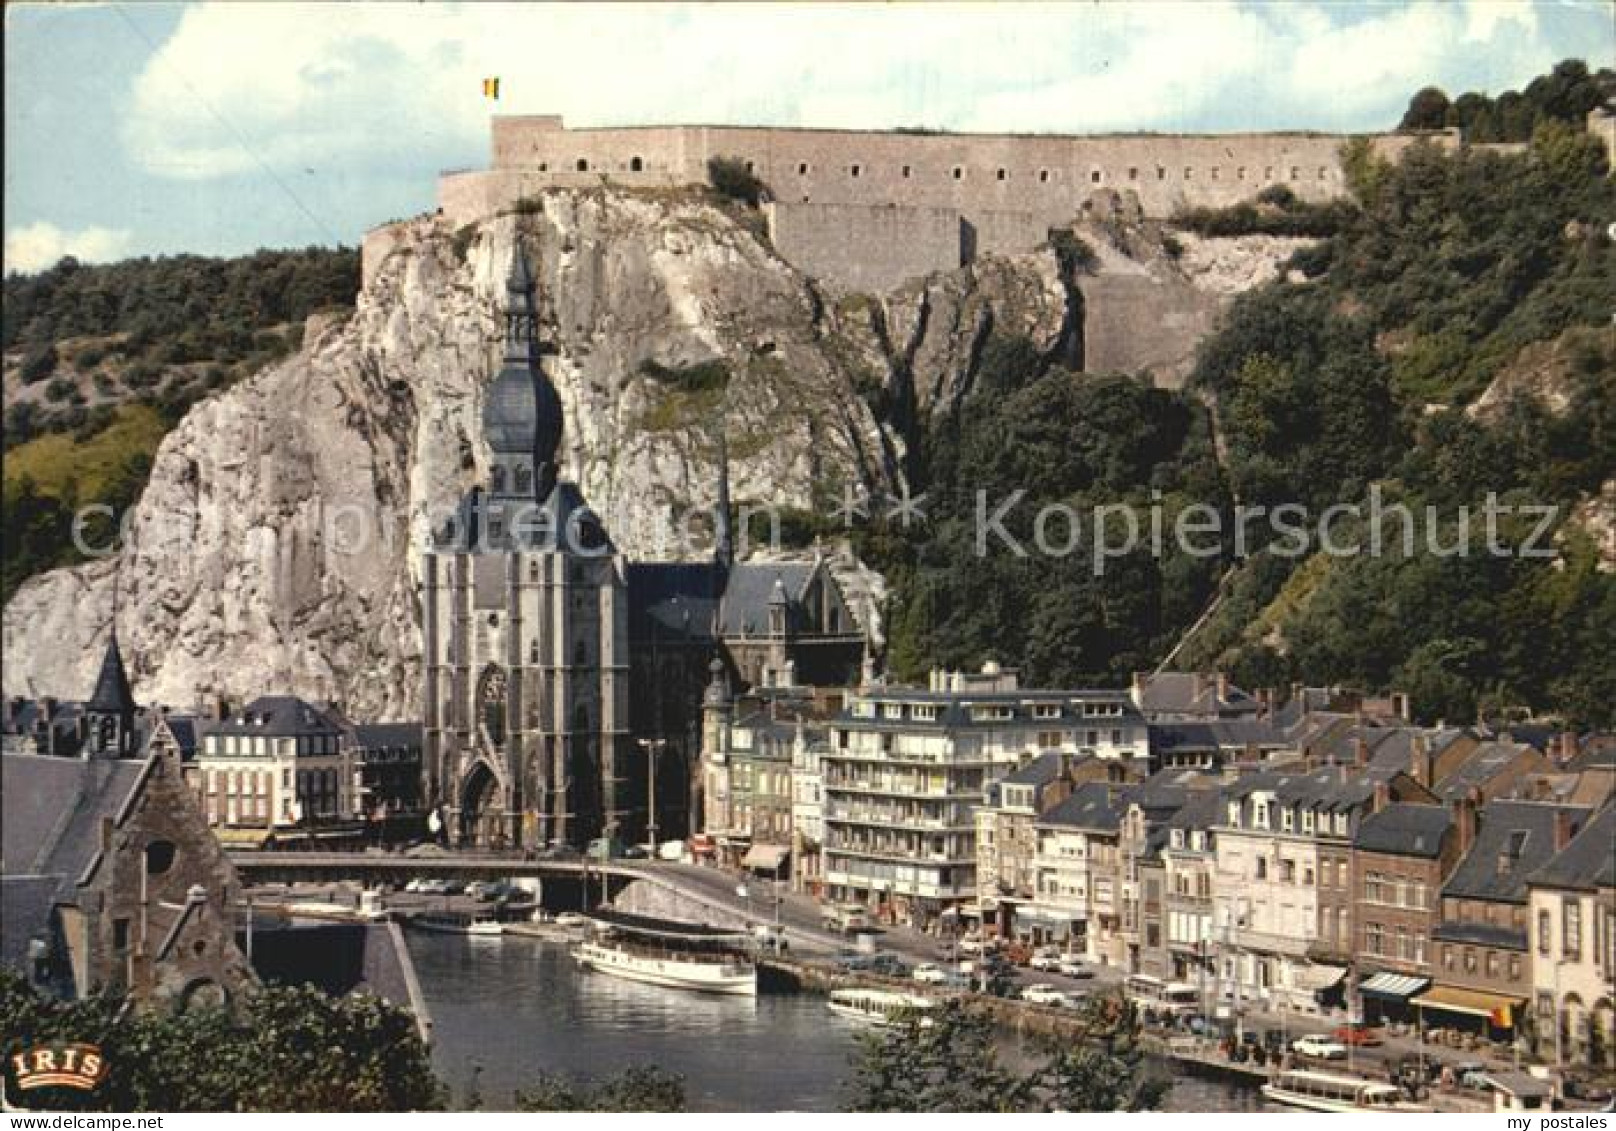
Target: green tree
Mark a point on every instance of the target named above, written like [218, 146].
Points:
[285, 1048]
[640, 1088]
[948, 1061]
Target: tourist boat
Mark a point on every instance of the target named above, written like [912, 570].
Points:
[457, 923]
[1328, 1091]
[667, 952]
[882, 1008]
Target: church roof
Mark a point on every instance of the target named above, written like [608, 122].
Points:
[111, 694]
[751, 589]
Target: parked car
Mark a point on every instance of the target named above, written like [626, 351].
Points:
[1357, 1033]
[1471, 1074]
[971, 945]
[571, 920]
[1073, 968]
[930, 973]
[636, 852]
[1319, 1046]
[414, 885]
[890, 965]
[1045, 960]
[1042, 993]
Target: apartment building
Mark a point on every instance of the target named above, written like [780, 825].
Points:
[1572, 918]
[279, 768]
[1189, 865]
[906, 768]
[1483, 975]
[1402, 855]
[1075, 873]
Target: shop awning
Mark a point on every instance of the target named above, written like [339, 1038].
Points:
[1398, 987]
[765, 857]
[1500, 1010]
[241, 838]
[1312, 979]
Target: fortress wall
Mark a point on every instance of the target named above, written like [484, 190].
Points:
[1009, 188]
[1138, 324]
[991, 172]
[864, 248]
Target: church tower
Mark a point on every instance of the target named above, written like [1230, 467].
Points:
[526, 628]
[110, 712]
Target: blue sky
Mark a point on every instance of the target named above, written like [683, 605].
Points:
[218, 128]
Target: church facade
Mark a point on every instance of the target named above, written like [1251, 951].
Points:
[556, 670]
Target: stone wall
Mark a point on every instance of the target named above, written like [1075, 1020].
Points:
[835, 242]
[1145, 324]
[867, 210]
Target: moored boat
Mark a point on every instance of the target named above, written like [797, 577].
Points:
[882, 1008]
[666, 952]
[1329, 1091]
[457, 923]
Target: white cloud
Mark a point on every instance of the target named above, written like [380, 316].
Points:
[240, 88]
[39, 245]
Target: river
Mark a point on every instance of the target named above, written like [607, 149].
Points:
[515, 1007]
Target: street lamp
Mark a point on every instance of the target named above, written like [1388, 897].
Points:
[653, 748]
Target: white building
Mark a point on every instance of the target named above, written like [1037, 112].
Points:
[906, 768]
[278, 764]
[1573, 924]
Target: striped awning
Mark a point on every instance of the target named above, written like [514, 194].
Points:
[1398, 986]
[1455, 999]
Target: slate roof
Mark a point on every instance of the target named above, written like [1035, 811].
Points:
[183, 727]
[1215, 734]
[1485, 763]
[281, 715]
[26, 903]
[1589, 861]
[1188, 694]
[1093, 806]
[1040, 771]
[52, 809]
[373, 736]
[743, 609]
[1480, 934]
[1521, 832]
[1404, 830]
[1201, 810]
[112, 694]
[673, 600]
[1598, 754]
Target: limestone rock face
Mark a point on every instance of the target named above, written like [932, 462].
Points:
[275, 546]
[275, 549]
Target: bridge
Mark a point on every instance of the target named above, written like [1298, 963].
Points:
[703, 890]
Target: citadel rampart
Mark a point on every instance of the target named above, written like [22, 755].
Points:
[869, 209]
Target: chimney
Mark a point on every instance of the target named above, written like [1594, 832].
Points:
[1360, 752]
[1400, 705]
[1223, 687]
[1464, 820]
[1568, 746]
[1564, 829]
[105, 835]
[1382, 797]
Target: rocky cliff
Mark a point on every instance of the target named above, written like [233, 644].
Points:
[272, 548]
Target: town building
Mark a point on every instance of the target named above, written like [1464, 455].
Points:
[387, 761]
[1076, 900]
[906, 768]
[1572, 920]
[112, 882]
[1401, 857]
[1006, 836]
[278, 769]
[1189, 863]
[1279, 834]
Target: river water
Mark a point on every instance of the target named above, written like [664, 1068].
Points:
[514, 1007]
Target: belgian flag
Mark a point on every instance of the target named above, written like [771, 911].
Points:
[491, 89]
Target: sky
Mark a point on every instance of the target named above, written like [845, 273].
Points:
[218, 128]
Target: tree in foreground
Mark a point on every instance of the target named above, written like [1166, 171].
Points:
[948, 1061]
[283, 1048]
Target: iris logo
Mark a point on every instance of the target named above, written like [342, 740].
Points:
[60, 1066]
